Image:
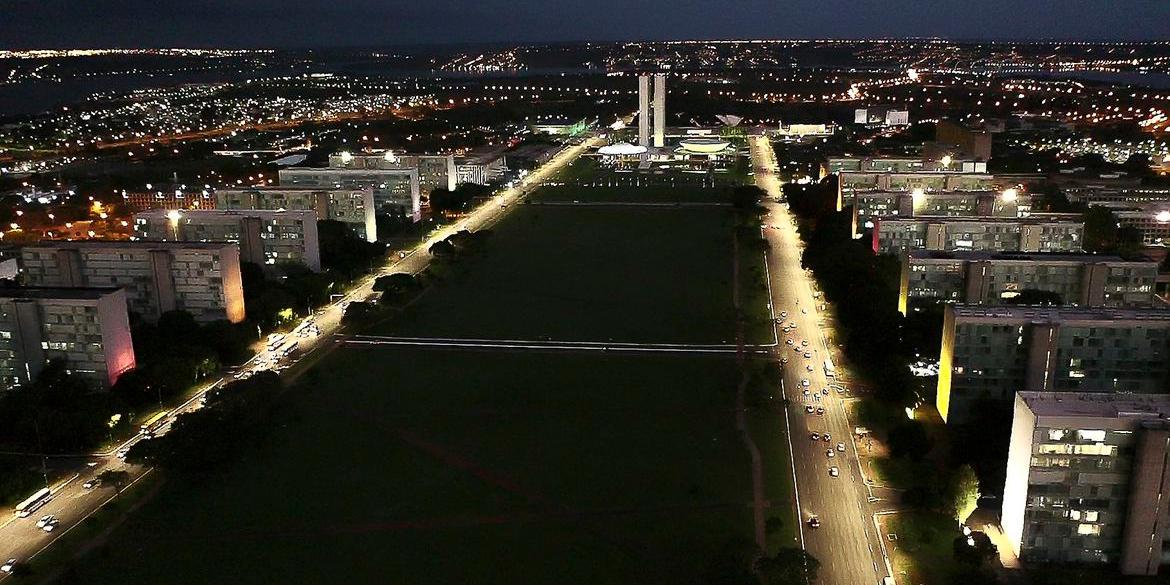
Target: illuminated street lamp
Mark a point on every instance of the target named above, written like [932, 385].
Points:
[174, 216]
[918, 197]
[1010, 195]
[946, 161]
[1163, 217]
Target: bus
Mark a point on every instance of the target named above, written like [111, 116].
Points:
[829, 371]
[153, 424]
[33, 503]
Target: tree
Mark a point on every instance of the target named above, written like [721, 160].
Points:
[965, 492]
[789, 566]
[114, 478]
[974, 550]
[909, 439]
[745, 197]
[442, 249]
[732, 565]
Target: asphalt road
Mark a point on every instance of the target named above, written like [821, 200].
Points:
[846, 542]
[71, 503]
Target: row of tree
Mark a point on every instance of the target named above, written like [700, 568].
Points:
[204, 441]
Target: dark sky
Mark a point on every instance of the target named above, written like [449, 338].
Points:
[302, 23]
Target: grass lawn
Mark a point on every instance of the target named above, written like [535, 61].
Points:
[464, 467]
[589, 274]
[924, 550]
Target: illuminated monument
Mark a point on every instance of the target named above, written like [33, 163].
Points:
[659, 99]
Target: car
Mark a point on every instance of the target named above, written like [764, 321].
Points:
[51, 525]
[92, 483]
[808, 367]
[786, 329]
[821, 411]
[792, 324]
[826, 437]
[783, 314]
[808, 355]
[840, 447]
[804, 343]
[45, 520]
[825, 391]
[121, 454]
[787, 342]
[834, 472]
[829, 453]
[803, 311]
[806, 392]
[9, 566]
[814, 522]
[783, 360]
[808, 409]
[804, 382]
[815, 436]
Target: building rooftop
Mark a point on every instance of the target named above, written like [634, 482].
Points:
[56, 292]
[1035, 218]
[1098, 404]
[1047, 313]
[225, 213]
[976, 255]
[141, 244]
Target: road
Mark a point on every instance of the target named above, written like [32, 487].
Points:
[71, 503]
[846, 542]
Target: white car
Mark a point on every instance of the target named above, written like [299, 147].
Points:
[804, 311]
[804, 382]
[834, 472]
[841, 447]
[808, 409]
[804, 343]
[783, 314]
[121, 454]
[783, 360]
[808, 367]
[788, 342]
[8, 567]
[45, 520]
[830, 454]
[807, 355]
[92, 483]
[51, 525]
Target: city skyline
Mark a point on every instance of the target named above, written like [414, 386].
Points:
[313, 23]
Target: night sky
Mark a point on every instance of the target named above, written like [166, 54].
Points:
[308, 23]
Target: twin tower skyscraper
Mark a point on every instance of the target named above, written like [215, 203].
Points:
[659, 99]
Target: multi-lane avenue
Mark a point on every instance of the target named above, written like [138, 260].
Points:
[830, 485]
[71, 502]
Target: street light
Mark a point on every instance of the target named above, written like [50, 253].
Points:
[174, 216]
[1010, 195]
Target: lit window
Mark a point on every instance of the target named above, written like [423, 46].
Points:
[1056, 434]
[1091, 516]
[1095, 436]
[1088, 529]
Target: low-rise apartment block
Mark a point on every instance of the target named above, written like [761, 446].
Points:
[87, 328]
[202, 279]
[1045, 232]
[1087, 478]
[396, 191]
[353, 207]
[989, 353]
[265, 237]
[900, 164]
[871, 206]
[851, 182]
[994, 278]
[435, 171]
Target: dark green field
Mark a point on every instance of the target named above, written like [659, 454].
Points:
[590, 274]
[397, 465]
